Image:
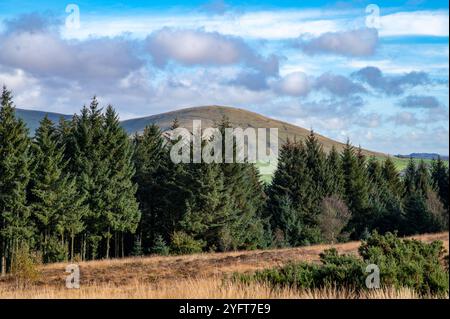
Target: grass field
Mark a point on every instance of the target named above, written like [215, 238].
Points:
[190, 276]
[267, 171]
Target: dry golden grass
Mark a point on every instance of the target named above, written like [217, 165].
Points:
[196, 288]
[191, 276]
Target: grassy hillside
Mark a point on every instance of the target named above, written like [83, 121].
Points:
[189, 276]
[32, 118]
[210, 115]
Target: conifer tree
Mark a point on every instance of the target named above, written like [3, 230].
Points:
[409, 178]
[122, 212]
[292, 180]
[423, 178]
[246, 227]
[335, 178]
[53, 192]
[440, 178]
[15, 226]
[392, 177]
[356, 188]
[317, 170]
[150, 161]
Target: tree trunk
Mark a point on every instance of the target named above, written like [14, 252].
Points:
[72, 239]
[121, 244]
[108, 238]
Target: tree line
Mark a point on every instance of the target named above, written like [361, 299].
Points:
[82, 189]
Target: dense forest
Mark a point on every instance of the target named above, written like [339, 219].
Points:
[83, 189]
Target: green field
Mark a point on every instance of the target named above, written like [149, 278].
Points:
[267, 171]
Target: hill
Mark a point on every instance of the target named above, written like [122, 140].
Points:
[424, 156]
[210, 115]
[32, 118]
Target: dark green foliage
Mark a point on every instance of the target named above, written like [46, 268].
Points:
[440, 179]
[290, 203]
[160, 247]
[402, 263]
[392, 178]
[184, 244]
[407, 263]
[86, 189]
[56, 205]
[356, 189]
[16, 228]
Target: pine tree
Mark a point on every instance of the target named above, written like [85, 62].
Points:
[423, 178]
[15, 225]
[409, 178]
[149, 159]
[440, 178]
[292, 180]
[335, 178]
[317, 170]
[392, 177]
[246, 228]
[356, 188]
[122, 213]
[384, 208]
[208, 209]
[53, 193]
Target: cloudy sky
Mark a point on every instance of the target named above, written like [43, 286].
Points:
[373, 71]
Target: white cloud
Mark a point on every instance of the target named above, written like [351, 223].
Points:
[427, 23]
[294, 84]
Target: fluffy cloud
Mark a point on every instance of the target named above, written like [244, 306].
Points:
[419, 101]
[30, 45]
[200, 48]
[293, 84]
[391, 85]
[197, 47]
[360, 42]
[338, 85]
[404, 118]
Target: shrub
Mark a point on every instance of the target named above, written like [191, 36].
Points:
[160, 247]
[407, 263]
[183, 244]
[54, 251]
[402, 263]
[25, 267]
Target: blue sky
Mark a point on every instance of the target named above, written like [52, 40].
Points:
[372, 71]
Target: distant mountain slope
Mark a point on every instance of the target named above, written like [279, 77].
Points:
[238, 118]
[32, 118]
[425, 156]
[210, 115]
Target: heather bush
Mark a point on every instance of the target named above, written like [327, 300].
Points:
[402, 263]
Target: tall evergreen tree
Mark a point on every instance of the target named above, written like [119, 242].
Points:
[151, 160]
[15, 226]
[409, 179]
[356, 188]
[392, 177]
[423, 178]
[122, 212]
[289, 193]
[440, 178]
[53, 193]
[335, 175]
